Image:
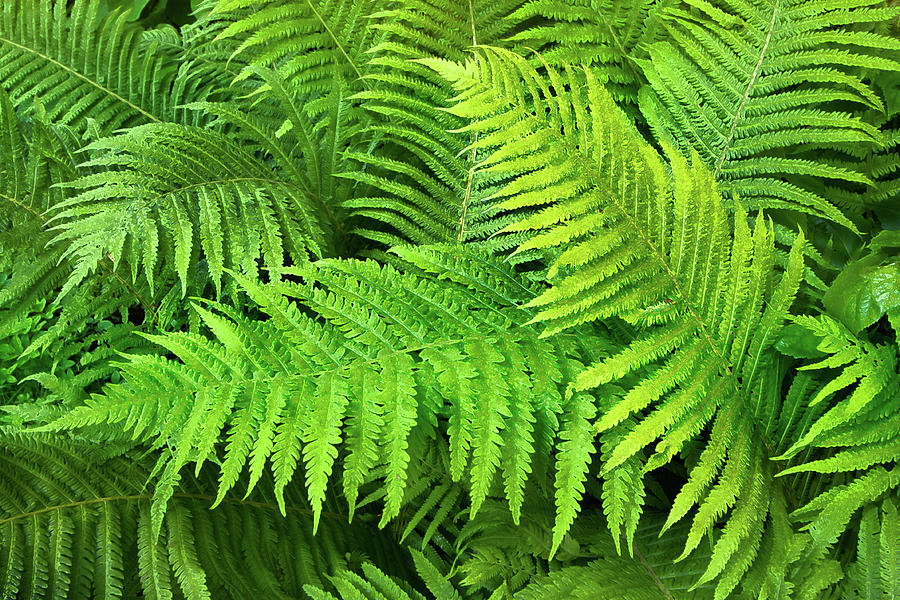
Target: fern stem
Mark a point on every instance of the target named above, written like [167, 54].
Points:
[468, 195]
[132, 497]
[649, 568]
[750, 83]
[338, 44]
[470, 178]
[22, 205]
[83, 77]
[628, 62]
[149, 309]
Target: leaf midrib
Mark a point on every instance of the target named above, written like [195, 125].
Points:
[146, 496]
[751, 82]
[81, 76]
[470, 176]
[338, 45]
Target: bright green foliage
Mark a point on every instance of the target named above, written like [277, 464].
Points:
[751, 86]
[82, 66]
[390, 353]
[647, 242]
[868, 371]
[39, 161]
[161, 188]
[879, 163]
[610, 36]
[379, 586]
[464, 300]
[315, 42]
[652, 576]
[423, 173]
[862, 429]
[876, 573]
[82, 328]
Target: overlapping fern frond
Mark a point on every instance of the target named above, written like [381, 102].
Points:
[647, 240]
[649, 572]
[876, 571]
[758, 87]
[364, 363]
[318, 48]
[859, 428]
[879, 163]
[375, 584]
[421, 179]
[82, 329]
[579, 383]
[610, 36]
[310, 43]
[160, 191]
[593, 570]
[75, 523]
[83, 66]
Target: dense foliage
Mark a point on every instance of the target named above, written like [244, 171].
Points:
[471, 300]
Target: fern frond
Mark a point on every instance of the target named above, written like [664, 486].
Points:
[547, 347]
[83, 329]
[857, 420]
[647, 240]
[311, 42]
[162, 190]
[421, 177]
[75, 520]
[623, 489]
[84, 66]
[750, 87]
[360, 335]
[651, 576]
[869, 379]
[879, 163]
[609, 36]
[377, 585]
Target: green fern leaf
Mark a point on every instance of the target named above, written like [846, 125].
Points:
[60, 53]
[420, 184]
[646, 240]
[573, 462]
[183, 556]
[749, 93]
[385, 356]
[611, 37]
[152, 561]
[159, 182]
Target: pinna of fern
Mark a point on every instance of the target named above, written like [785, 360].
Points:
[32, 164]
[310, 43]
[879, 163]
[876, 571]
[318, 50]
[52, 68]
